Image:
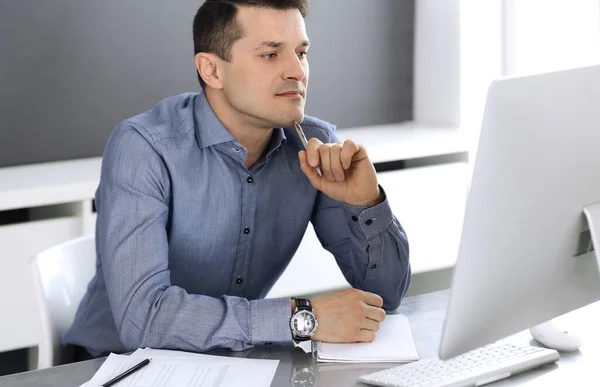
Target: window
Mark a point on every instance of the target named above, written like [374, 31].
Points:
[549, 35]
[520, 37]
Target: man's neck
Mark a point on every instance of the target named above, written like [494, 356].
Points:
[253, 138]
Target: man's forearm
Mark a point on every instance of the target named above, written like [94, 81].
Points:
[374, 256]
[175, 319]
[387, 271]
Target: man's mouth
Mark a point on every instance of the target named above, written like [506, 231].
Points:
[291, 94]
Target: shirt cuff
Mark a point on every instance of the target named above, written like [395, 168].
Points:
[370, 221]
[270, 321]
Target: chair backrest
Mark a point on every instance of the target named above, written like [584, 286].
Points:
[61, 275]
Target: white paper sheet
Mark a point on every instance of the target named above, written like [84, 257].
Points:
[151, 352]
[393, 343]
[173, 368]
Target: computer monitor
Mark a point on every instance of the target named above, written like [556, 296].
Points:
[524, 255]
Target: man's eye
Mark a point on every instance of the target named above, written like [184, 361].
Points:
[270, 55]
[303, 54]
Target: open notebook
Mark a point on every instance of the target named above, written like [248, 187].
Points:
[393, 343]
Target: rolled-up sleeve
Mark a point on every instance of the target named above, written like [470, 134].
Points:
[133, 212]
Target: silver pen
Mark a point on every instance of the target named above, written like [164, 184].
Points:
[304, 142]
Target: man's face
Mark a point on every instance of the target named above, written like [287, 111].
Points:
[266, 78]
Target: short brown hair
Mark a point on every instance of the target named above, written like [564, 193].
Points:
[216, 28]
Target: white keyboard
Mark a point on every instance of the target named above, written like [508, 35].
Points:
[481, 366]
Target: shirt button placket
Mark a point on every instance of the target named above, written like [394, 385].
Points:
[240, 279]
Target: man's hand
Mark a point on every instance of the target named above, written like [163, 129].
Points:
[348, 174]
[347, 316]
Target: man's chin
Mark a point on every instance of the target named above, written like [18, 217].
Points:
[288, 120]
[298, 118]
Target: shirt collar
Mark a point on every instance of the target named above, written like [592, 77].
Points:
[211, 131]
[278, 138]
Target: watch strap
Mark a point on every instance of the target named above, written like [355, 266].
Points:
[303, 304]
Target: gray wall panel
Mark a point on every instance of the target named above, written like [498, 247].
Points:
[361, 61]
[70, 70]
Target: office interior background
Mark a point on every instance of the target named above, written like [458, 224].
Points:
[407, 78]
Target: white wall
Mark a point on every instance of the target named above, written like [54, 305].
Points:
[481, 59]
[436, 62]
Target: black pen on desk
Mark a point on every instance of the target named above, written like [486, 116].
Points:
[125, 374]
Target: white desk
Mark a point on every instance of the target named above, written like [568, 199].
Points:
[426, 315]
[408, 140]
[58, 197]
[48, 183]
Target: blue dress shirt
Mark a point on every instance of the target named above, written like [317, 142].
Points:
[189, 241]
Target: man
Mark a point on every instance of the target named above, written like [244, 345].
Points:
[204, 199]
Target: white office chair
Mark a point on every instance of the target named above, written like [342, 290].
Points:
[60, 275]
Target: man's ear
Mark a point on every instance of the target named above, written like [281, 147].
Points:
[208, 68]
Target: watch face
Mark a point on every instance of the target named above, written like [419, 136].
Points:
[303, 323]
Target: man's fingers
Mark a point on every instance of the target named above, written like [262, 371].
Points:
[372, 299]
[365, 336]
[312, 150]
[369, 325]
[368, 297]
[349, 148]
[309, 171]
[325, 156]
[376, 314]
[336, 162]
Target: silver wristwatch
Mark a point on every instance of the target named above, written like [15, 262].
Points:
[303, 322]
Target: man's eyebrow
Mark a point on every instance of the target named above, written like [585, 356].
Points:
[269, 43]
[276, 44]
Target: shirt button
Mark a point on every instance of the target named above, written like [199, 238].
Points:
[246, 230]
[239, 280]
[236, 149]
[354, 218]
[369, 222]
[374, 266]
[250, 180]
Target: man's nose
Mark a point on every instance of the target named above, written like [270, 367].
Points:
[295, 69]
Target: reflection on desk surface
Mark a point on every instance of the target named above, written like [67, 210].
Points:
[426, 314]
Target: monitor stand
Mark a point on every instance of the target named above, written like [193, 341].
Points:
[547, 333]
[592, 214]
